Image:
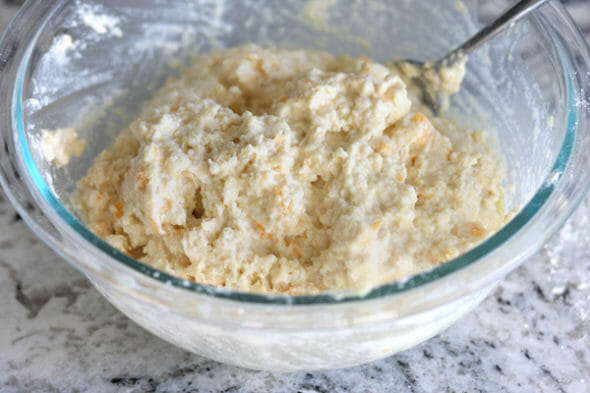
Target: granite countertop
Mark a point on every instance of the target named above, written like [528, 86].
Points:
[532, 334]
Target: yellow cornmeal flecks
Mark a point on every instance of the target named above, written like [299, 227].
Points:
[292, 172]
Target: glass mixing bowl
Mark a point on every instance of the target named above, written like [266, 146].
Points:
[91, 64]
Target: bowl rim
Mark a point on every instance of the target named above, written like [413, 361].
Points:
[37, 185]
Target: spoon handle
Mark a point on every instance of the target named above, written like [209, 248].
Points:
[513, 14]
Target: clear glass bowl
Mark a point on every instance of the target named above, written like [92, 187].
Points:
[90, 65]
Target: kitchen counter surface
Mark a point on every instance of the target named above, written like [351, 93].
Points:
[58, 334]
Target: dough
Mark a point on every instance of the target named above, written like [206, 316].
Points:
[293, 172]
[61, 144]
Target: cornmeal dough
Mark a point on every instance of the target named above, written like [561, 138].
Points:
[293, 172]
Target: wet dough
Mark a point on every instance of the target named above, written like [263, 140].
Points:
[293, 172]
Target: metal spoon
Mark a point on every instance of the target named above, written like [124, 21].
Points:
[429, 76]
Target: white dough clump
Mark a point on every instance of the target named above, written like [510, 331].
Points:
[293, 172]
[61, 144]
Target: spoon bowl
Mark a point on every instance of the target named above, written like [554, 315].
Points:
[432, 76]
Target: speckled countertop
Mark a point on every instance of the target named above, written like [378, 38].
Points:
[532, 334]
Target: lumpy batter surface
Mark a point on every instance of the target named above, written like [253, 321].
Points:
[292, 172]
